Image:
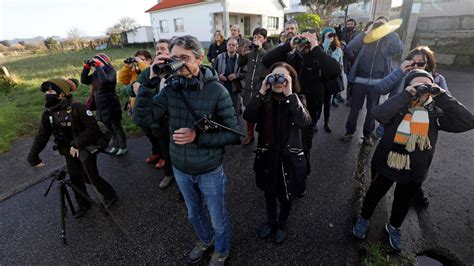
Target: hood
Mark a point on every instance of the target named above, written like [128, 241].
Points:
[208, 74]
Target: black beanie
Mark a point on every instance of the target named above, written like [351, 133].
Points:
[416, 73]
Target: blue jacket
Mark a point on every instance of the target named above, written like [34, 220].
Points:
[374, 60]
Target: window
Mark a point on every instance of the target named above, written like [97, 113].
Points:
[273, 22]
[163, 26]
[233, 20]
[178, 25]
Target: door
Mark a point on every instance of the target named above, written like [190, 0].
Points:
[247, 26]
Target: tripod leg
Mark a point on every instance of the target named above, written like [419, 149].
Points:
[62, 188]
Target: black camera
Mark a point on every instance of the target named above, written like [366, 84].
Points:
[205, 124]
[89, 62]
[276, 79]
[130, 60]
[427, 88]
[253, 46]
[168, 67]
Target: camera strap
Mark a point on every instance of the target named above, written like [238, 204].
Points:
[188, 106]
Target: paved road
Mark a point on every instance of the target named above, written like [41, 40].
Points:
[151, 226]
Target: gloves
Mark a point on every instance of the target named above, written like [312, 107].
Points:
[98, 63]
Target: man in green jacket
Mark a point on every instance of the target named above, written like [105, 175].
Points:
[196, 155]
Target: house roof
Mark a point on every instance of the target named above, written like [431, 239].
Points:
[164, 4]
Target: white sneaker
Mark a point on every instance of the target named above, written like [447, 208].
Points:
[121, 152]
[165, 182]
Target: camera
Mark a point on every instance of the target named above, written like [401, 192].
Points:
[89, 62]
[130, 60]
[253, 46]
[276, 79]
[205, 125]
[168, 67]
[427, 88]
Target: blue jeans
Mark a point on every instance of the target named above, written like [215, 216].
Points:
[208, 188]
[361, 93]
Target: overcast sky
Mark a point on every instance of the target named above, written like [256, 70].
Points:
[31, 18]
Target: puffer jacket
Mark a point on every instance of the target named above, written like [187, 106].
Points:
[447, 115]
[127, 75]
[210, 97]
[104, 80]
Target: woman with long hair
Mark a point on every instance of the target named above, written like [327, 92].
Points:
[218, 46]
[280, 165]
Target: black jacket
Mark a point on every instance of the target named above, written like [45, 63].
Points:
[215, 50]
[287, 150]
[77, 124]
[447, 115]
[104, 80]
[313, 69]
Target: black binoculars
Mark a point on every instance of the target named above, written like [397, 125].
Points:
[276, 79]
[168, 67]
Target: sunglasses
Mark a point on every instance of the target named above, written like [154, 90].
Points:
[420, 64]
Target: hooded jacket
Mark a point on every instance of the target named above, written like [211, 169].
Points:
[210, 97]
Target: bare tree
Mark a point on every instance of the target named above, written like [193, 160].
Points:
[325, 8]
[75, 36]
[124, 24]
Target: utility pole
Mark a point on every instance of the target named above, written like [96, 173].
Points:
[225, 18]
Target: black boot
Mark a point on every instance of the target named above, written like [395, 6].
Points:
[280, 234]
[327, 128]
[266, 230]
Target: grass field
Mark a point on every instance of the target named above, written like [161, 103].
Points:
[21, 105]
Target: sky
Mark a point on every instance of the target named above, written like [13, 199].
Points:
[31, 18]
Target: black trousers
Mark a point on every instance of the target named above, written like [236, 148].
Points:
[324, 105]
[272, 208]
[119, 140]
[154, 140]
[84, 169]
[401, 201]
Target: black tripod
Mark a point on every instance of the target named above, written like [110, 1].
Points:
[59, 176]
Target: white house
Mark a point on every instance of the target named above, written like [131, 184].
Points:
[202, 17]
[140, 35]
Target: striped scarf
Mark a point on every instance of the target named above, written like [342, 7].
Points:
[412, 130]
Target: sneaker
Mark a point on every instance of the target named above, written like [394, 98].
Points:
[266, 230]
[160, 164]
[198, 251]
[218, 259]
[360, 228]
[394, 237]
[334, 102]
[339, 98]
[367, 141]
[346, 137]
[327, 128]
[112, 151]
[152, 158]
[109, 202]
[280, 234]
[121, 152]
[165, 182]
[82, 210]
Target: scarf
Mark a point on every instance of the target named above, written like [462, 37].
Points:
[412, 131]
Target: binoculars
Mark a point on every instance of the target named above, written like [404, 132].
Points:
[276, 79]
[168, 67]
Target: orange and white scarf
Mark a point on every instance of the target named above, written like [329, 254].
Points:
[412, 131]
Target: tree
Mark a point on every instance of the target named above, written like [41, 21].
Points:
[325, 8]
[308, 21]
[124, 24]
[75, 36]
[51, 43]
[5, 43]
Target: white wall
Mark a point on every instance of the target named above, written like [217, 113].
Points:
[197, 20]
[140, 35]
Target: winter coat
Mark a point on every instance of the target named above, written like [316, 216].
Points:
[220, 65]
[287, 150]
[206, 152]
[127, 74]
[255, 71]
[392, 84]
[374, 60]
[77, 125]
[103, 82]
[448, 115]
[215, 50]
[313, 69]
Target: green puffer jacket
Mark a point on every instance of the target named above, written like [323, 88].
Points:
[146, 106]
[210, 97]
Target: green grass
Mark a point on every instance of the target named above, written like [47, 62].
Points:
[21, 105]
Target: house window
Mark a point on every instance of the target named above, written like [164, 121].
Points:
[233, 20]
[178, 25]
[273, 22]
[163, 26]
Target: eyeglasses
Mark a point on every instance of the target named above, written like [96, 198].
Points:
[185, 58]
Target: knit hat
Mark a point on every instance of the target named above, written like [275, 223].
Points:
[103, 58]
[326, 30]
[60, 85]
[417, 73]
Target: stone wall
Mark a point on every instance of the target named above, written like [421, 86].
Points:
[452, 38]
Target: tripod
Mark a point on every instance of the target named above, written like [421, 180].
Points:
[59, 176]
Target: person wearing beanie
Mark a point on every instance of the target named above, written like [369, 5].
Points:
[74, 129]
[104, 99]
[403, 156]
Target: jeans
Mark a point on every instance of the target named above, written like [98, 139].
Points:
[207, 189]
[360, 93]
